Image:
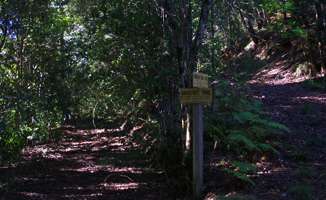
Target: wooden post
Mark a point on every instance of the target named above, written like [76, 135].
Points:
[197, 96]
[198, 153]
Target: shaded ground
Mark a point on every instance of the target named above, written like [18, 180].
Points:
[301, 171]
[85, 164]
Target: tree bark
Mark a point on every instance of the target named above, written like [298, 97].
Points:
[205, 8]
[321, 31]
[4, 36]
[248, 26]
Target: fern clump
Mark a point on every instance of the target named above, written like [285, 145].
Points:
[239, 129]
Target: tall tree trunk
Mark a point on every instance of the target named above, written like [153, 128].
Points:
[321, 31]
[212, 35]
[169, 105]
[186, 49]
[184, 44]
[192, 49]
[247, 23]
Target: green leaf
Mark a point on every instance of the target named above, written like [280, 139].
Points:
[273, 125]
[278, 126]
[244, 167]
[267, 148]
[238, 137]
[240, 176]
[244, 117]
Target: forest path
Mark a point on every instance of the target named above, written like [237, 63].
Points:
[300, 172]
[83, 164]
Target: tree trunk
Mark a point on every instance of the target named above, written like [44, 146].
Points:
[247, 23]
[185, 39]
[186, 51]
[3, 37]
[212, 35]
[321, 31]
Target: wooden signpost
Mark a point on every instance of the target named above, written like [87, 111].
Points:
[197, 96]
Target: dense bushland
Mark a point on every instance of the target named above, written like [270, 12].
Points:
[63, 61]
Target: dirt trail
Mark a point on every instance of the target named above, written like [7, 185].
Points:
[104, 164]
[84, 164]
[300, 172]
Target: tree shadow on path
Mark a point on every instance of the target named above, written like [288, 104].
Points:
[84, 164]
[303, 159]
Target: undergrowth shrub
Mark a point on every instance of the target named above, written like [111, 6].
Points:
[16, 130]
[240, 130]
[11, 136]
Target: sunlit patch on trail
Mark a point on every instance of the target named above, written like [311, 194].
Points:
[103, 168]
[316, 99]
[132, 170]
[33, 195]
[120, 186]
[73, 196]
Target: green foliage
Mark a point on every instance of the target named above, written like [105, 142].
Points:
[15, 134]
[238, 138]
[238, 124]
[240, 170]
[34, 72]
[290, 28]
[11, 138]
[274, 6]
[239, 127]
